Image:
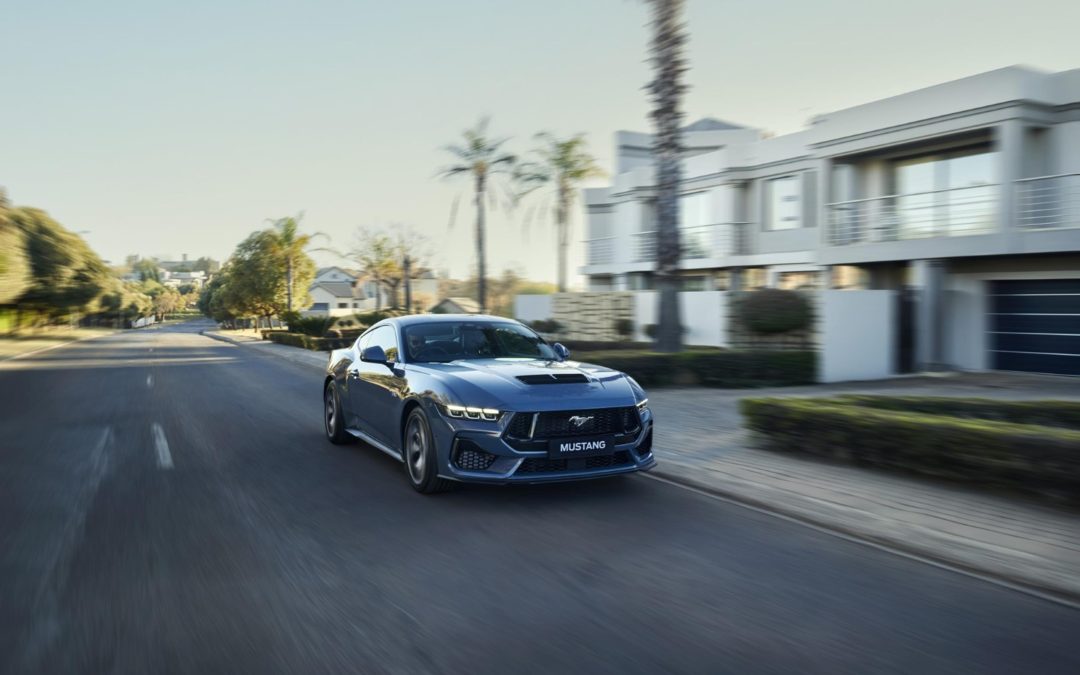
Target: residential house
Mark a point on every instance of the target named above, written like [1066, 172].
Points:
[457, 305]
[961, 199]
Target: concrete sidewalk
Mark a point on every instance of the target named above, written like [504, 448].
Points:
[700, 442]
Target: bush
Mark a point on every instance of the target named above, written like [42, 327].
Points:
[651, 330]
[1063, 414]
[1025, 456]
[315, 326]
[604, 345]
[770, 311]
[373, 317]
[548, 326]
[313, 343]
[624, 328]
[710, 367]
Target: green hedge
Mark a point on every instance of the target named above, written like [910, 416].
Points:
[1064, 414]
[710, 367]
[319, 344]
[1042, 459]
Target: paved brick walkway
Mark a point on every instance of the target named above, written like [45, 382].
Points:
[700, 441]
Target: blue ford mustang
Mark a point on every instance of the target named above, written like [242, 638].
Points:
[486, 400]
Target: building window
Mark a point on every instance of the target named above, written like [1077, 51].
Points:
[798, 281]
[694, 283]
[722, 281]
[850, 278]
[782, 203]
[343, 305]
[945, 193]
[753, 278]
[695, 215]
[639, 281]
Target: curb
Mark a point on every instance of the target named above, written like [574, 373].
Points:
[1069, 597]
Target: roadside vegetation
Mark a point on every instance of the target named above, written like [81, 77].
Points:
[1032, 445]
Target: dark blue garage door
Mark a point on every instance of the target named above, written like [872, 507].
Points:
[1035, 326]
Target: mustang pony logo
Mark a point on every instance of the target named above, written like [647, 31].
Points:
[578, 421]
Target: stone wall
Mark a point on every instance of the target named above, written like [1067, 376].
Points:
[591, 316]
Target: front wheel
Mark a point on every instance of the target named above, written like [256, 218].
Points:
[418, 451]
[333, 419]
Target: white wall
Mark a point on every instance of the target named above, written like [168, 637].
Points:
[532, 307]
[704, 313]
[858, 335]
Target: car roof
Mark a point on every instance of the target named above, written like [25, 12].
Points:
[414, 319]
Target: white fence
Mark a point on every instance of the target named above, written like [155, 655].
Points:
[858, 335]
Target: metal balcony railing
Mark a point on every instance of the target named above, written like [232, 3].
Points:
[1048, 202]
[600, 251]
[938, 213]
[644, 246]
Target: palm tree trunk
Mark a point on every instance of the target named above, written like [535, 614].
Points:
[288, 283]
[481, 264]
[563, 227]
[666, 90]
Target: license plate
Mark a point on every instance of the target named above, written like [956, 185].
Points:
[591, 446]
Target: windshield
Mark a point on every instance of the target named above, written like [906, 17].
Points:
[443, 341]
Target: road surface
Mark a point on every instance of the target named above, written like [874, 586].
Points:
[169, 504]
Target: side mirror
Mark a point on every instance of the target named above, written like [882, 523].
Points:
[373, 354]
[561, 351]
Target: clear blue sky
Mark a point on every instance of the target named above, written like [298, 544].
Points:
[164, 128]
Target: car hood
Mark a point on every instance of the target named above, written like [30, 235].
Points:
[495, 383]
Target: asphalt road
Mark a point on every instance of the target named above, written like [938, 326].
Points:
[168, 503]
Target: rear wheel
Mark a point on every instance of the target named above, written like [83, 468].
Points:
[418, 451]
[333, 419]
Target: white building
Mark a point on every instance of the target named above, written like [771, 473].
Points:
[338, 291]
[963, 199]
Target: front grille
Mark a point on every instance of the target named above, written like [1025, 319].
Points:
[545, 465]
[558, 424]
[469, 457]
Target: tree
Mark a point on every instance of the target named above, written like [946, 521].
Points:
[259, 274]
[563, 164]
[666, 91]
[382, 256]
[14, 265]
[147, 270]
[166, 302]
[480, 157]
[290, 245]
[65, 274]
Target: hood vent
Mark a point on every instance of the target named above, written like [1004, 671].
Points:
[561, 378]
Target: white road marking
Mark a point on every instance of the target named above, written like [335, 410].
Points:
[164, 458]
[149, 381]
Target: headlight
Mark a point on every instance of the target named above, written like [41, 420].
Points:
[470, 413]
[642, 406]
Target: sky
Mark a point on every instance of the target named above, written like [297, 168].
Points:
[162, 128]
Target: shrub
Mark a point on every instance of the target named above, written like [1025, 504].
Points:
[1025, 456]
[549, 326]
[624, 328]
[308, 341]
[315, 326]
[710, 367]
[1064, 414]
[770, 311]
[373, 317]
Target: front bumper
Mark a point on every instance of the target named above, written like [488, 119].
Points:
[511, 465]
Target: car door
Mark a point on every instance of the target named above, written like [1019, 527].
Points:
[352, 398]
[377, 389]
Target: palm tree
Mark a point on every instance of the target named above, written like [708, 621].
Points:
[290, 245]
[565, 164]
[666, 91]
[481, 157]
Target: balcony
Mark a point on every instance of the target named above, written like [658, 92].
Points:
[1048, 202]
[600, 251]
[938, 213]
[699, 242]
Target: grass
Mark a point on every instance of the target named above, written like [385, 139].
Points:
[30, 340]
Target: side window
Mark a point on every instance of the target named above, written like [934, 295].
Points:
[363, 341]
[385, 337]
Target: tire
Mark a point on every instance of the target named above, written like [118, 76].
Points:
[333, 420]
[421, 460]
